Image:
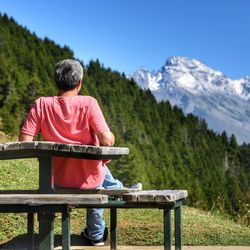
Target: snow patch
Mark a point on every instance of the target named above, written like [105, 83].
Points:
[194, 87]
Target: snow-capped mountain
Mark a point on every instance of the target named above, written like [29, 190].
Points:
[196, 88]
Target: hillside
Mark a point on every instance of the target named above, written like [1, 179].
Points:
[136, 226]
[168, 149]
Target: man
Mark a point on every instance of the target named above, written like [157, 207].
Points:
[74, 119]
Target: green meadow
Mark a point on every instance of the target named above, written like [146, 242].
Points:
[136, 226]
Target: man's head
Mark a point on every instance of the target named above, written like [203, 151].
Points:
[68, 73]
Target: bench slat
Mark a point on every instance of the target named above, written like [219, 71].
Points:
[50, 199]
[109, 192]
[158, 196]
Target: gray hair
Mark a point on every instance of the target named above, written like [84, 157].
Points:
[67, 74]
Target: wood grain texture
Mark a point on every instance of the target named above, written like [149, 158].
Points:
[110, 192]
[50, 199]
[14, 150]
[156, 196]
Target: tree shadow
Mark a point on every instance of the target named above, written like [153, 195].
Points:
[20, 242]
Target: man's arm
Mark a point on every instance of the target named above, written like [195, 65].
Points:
[106, 139]
[24, 137]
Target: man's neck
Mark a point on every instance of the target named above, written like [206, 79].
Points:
[72, 92]
[68, 93]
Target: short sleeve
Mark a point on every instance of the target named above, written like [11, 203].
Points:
[97, 120]
[32, 124]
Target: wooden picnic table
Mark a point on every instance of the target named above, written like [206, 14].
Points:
[46, 201]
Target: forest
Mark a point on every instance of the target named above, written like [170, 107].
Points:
[168, 150]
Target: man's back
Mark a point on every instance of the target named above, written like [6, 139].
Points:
[76, 120]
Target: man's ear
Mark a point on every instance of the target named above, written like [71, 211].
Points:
[79, 85]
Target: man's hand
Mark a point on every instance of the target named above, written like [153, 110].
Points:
[24, 137]
[106, 139]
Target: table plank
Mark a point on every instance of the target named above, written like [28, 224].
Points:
[14, 150]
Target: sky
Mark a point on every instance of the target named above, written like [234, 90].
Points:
[126, 35]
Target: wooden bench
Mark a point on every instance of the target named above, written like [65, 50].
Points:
[46, 201]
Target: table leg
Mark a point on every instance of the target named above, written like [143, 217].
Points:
[46, 231]
[113, 228]
[45, 175]
[46, 220]
[177, 219]
[30, 231]
[167, 229]
[66, 229]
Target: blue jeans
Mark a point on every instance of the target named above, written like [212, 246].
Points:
[95, 223]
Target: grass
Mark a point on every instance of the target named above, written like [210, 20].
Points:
[136, 226]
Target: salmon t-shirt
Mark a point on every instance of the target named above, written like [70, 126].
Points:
[72, 120]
